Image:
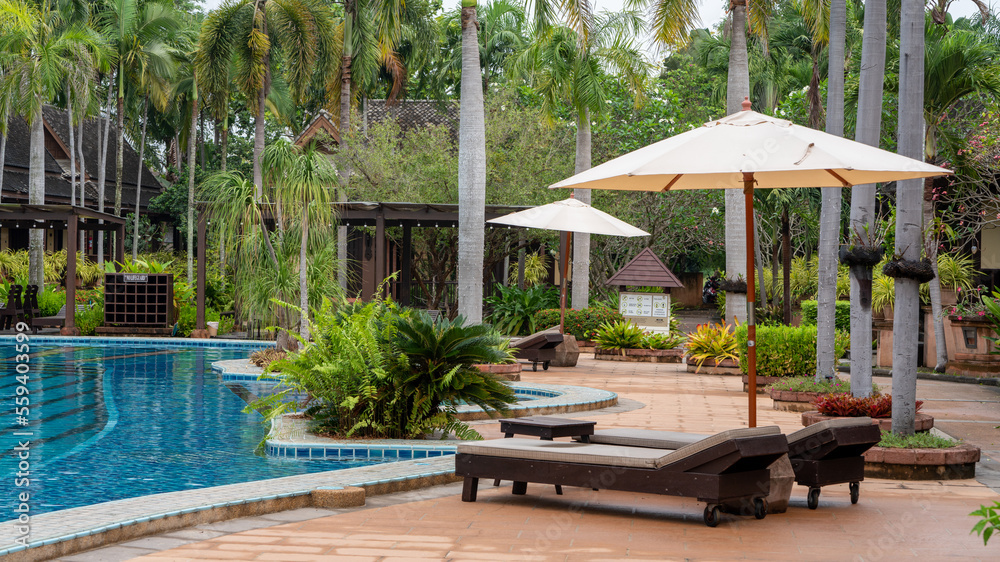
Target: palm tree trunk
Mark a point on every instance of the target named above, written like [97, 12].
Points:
[350, 8]
[138, 183]
[303, 267]
[192, 143]
[863, 196]
[3, 157]
[201, 137]
[786, 267]
[909, 232]
[224, 145]
[738, 88]
[471, 173]
[72, 148]
[36, 196]
[581, 241]
[82, 247]
[102, 172]
[120, 138]
[829, 221]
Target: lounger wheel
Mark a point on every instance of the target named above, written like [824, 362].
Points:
[712, 515]
[855, 491]
[759, 508]
[534, 366]
[812, 500]
[545, 366]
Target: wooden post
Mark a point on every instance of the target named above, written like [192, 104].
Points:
[404, 291]
[751, 318]
[379, 250]
[69, 324]
[562, 282]
[202, 272]
[120, 246]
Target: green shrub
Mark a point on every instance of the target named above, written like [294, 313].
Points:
[842, 316]
[919, 440]
[370, 372]
[663, 341]
[620, 335]
[512, 311]
[88, 320]
[809, 384]
[50, 301]
[582, 324]
[188, 317]
[712, 341]
[786, 351]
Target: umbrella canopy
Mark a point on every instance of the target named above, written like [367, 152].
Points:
[742, 150]
[777, 152]
[570, 215]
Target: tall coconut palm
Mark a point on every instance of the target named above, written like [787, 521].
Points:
[909, 216]
[868, 129]
[829, 227]
[37, 55]
[136, 31]
[299, 33]
[566, 68]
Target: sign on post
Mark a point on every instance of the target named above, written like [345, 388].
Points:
[650, 311]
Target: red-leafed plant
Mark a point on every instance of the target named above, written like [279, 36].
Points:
[846, 405]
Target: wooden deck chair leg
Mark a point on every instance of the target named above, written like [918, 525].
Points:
[520, 488]
[469, 488]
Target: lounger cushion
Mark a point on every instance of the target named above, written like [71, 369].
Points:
[650, 438]
[606, 455]
[818, 427]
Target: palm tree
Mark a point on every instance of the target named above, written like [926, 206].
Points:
[909, 215]
[471, 173]
[959, 62]
[867, 130]
[38, 55]
[299, 33]
[566, 68]
[829, 227]
[302, 180]
[136, 31]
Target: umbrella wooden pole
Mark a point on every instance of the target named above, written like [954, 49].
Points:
[748, 182]
[562, 284]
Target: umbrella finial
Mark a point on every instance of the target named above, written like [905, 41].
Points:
[746, 103]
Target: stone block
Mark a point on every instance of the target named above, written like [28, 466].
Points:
[337, 497]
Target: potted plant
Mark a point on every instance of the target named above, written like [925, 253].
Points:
[883, 295]
[956, 273]
[505, 365]
[974, 322]
[920, 456]
[714, 344]
[877, 406]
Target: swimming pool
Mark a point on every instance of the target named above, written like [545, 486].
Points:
[111, 421]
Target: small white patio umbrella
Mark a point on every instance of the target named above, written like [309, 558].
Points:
[569, 215]
[741, 150]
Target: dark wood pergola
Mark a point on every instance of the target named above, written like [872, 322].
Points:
[73, 220]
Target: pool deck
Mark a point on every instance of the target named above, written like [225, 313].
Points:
[914, 520]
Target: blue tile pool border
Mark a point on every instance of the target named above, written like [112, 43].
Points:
[183, 343]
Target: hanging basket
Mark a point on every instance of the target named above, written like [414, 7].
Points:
[859, 255]
[918, 270]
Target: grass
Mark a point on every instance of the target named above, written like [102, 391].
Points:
[921, 440]
[808, 384]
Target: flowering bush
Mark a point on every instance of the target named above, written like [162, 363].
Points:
[970, 304]
[582, 324]
[842, 404]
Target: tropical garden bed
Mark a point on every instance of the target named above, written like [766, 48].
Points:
[624, 341]
[921, 456]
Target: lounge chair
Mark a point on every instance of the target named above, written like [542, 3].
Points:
[10, 314]
[728, 471]
[828, 452]
[539, 347]
[56, 321]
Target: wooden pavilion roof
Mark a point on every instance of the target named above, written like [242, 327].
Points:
[645, 270]
[55, 216]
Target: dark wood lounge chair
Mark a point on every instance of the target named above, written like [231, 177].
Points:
[56, 321]
[728, 471]
[828, 452]
[9, 314]
[539, 347]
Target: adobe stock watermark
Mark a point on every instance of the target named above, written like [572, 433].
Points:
[22, 417]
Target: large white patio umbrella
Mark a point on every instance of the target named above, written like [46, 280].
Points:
[569, 216]
[741, 150]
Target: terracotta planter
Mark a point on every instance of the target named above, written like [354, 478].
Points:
[794, 401]
[953, 463]
[762, 382]
[972, 352]
[639, 355]
[507, 371]
[923, 422]
[712, 367]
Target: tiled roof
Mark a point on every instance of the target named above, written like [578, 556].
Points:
[645, 270]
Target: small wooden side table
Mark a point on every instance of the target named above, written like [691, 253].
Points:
[546, 428]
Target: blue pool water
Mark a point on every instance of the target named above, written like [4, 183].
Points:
[111, 422]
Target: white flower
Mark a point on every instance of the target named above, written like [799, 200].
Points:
[715, 210]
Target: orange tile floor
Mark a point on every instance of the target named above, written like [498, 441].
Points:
[916, 520]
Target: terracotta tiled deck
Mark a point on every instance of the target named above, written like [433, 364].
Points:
[924, 520]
